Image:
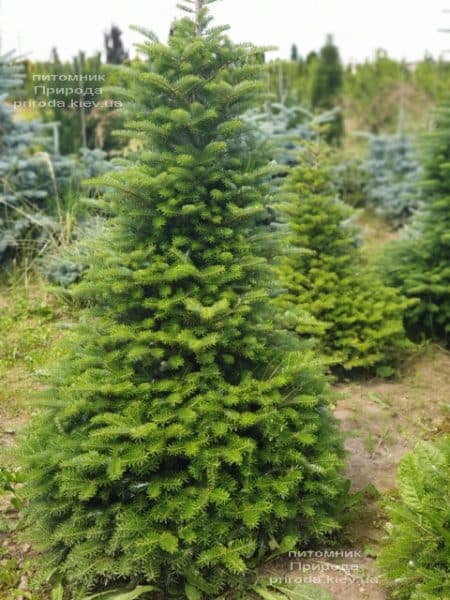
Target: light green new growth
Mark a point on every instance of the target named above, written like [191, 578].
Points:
[416, 553]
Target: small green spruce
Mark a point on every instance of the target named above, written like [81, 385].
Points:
[418, 264]
[185, 438]
[416, 553]
[327, 290]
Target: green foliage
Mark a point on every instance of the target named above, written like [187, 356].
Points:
[11, 503]
[184, 434]
[418, 263]
[299, 591]
[373, 92]
[289, 82]
[9, 481]
[327, 82]
[9, 574]
[326, 86]
[432, 78]
[328, 292]
[124, 593]
[415, 556]
[350, 180]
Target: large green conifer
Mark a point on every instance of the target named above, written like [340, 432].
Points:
[184, 437]
[393, 188]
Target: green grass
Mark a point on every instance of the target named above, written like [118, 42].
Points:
[376, 234]
[30, 320]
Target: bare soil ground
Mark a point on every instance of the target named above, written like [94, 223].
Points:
[381, 421]
[375, 232]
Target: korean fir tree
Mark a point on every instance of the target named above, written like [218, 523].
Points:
[355, 318]
[418, 264]
[185, 437]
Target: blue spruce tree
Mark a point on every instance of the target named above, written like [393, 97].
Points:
[22, 193]
[34, 176]
[393, 188]
[284, 129]
[418, 264]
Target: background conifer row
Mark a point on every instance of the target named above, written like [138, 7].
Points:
[418, 264]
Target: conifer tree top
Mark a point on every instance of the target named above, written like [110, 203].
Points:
[198, 9]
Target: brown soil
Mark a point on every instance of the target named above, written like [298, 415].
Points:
[381, 420]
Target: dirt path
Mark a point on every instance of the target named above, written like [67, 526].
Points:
[381, 421]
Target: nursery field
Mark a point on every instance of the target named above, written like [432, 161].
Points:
[381, 420]
[225, 321]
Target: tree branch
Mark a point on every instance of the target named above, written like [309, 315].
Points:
[198, 8]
